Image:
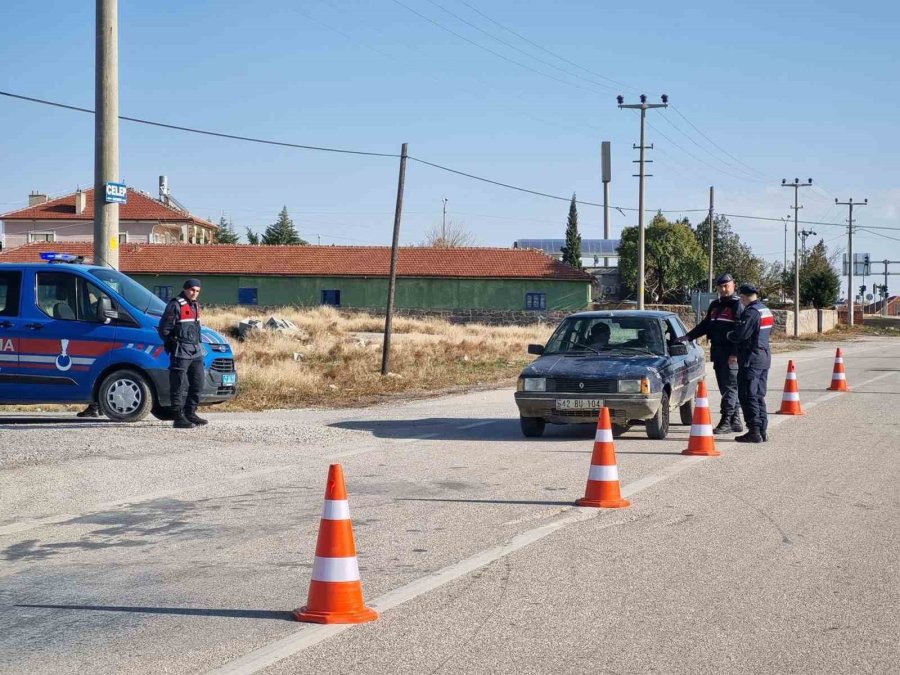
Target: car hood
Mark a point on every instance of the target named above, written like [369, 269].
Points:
[595, 366]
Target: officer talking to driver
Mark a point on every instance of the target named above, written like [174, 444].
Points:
[751, 336]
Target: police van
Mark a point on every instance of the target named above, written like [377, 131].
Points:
[77, 333]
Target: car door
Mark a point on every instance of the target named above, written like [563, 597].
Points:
[695, 360]
[64, 343]
[673, 328]
[10, 329]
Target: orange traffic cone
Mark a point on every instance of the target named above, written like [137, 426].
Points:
[335, 590]
[790, 400]
[603, 480]
[838, 377]
[701, 441]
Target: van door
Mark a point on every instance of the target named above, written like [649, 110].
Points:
[64, 344]
[10, 296]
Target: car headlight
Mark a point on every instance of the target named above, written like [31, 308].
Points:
[534, 384]
[629, 386]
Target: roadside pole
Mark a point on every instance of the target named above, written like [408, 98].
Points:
[106, 133]
[796, 185]
[392, 280]
[850, 304]
[712, 238]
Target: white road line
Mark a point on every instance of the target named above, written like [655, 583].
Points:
[416, 439]
[477, 424]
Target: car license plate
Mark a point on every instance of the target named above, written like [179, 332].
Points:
[579, 404]
[229, 379]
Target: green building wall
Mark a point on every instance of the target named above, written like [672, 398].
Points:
[411, 293]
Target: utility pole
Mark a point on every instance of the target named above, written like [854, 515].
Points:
[850, 304]
[712, 238]
[796, 185]
[606, 176]
[804, 235]
[784, 269]
[444, 224]
[392, 279]
[106, 133]
[643, 106]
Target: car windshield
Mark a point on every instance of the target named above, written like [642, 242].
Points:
[622, 334]
[138, 296]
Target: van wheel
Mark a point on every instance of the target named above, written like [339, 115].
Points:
[125, 396]
[532, 427]
[687, 412]
[658, 425]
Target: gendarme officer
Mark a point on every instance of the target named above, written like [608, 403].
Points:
[754, 358]
[721, 318]
[179, 328]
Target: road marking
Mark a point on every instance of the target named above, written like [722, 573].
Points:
[416, 439]
[477, 424]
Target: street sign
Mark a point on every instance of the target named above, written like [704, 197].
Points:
[116, 193]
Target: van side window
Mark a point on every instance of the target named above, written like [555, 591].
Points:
[56, 295]
[89, 300]
[10, 287]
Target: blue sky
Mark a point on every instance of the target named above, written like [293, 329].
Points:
[803, 89]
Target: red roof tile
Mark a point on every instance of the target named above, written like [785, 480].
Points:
[140, 206]
[320, 261]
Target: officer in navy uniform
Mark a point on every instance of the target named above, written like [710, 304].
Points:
[720, 319]
[179, 328]
[754, 358]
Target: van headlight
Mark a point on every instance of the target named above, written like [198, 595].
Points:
[629, 386]
[533, 384]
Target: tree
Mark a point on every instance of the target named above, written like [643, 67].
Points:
[252, 237]
[819, 283]
[730, 254]
[454, 235]
[226, 233]
[282, 232]
[571, 252]
[674, 262]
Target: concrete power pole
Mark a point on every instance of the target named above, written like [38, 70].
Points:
[606, 176]
[850, 304]
[712, 239]
[444, 224]
[643, 106]
[106, 133]
[796, 185]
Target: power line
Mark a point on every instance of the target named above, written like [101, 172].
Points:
[867, 230]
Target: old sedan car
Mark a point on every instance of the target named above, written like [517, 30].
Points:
[627, 361]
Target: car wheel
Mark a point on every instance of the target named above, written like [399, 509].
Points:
[619, 429]
[687, 412]
[125, 396]
[532, 427]
[658, 425]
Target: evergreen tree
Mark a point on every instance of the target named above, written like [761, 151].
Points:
[819, 283]
[252, 237]
[572, 249]
[226, 233]
[282, 231]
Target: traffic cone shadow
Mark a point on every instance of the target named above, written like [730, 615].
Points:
[335, 590]
[790, 400]
[602, 488]
[701, 442]
[838, 376]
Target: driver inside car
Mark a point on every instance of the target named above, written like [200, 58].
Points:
[598, 338]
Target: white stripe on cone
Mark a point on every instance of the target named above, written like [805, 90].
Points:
[839, 376]
[702, 403]
[791, 396]
[701, 430]
[604, 473]
[791, 376]
[336, 509]
[335, 569]
[839, 359]
[604, 436]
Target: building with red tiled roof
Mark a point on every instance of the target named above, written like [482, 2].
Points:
[143, 219]
[348, 276]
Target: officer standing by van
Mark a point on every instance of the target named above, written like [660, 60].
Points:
[721, 317]
[754, 359]
[179, 328]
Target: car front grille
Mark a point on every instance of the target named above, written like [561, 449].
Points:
[223, 365]
[225, 391]
[582, 386]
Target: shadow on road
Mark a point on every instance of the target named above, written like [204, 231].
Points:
[178, 611]
[464, 428]
[69, 422]
[485, 501]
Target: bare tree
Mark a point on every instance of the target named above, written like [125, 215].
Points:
[453, 235]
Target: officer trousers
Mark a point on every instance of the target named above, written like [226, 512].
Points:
[727, 381]
[185, 384]
[752, 385]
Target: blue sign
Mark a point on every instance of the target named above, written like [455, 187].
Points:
[116, 193]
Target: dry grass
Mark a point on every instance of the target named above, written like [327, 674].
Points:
[341, 358]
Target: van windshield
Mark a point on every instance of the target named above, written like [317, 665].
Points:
[136, 295]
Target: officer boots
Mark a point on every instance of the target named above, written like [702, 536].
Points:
[182, 422]
[736, 425]
[752, 436]
[191, 416]
[724, 427]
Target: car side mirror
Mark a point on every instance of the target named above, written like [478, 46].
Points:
[678, 349]
[105, 312]
[537, 350]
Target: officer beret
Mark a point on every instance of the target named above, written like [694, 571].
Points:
[748, 289]
[724, 279]
[191, 283]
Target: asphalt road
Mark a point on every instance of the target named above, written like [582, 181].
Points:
[136, 548]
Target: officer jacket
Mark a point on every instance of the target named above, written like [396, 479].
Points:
[179, 328]
[751, 336]
[720, 319]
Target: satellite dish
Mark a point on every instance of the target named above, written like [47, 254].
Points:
[869, 296]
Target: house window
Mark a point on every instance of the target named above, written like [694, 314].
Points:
[536, 301]
[163, 292]
[332, 298]
[41, 236]
[123, 237]
[247, 296]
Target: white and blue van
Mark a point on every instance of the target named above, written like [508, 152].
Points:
[76, 333]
